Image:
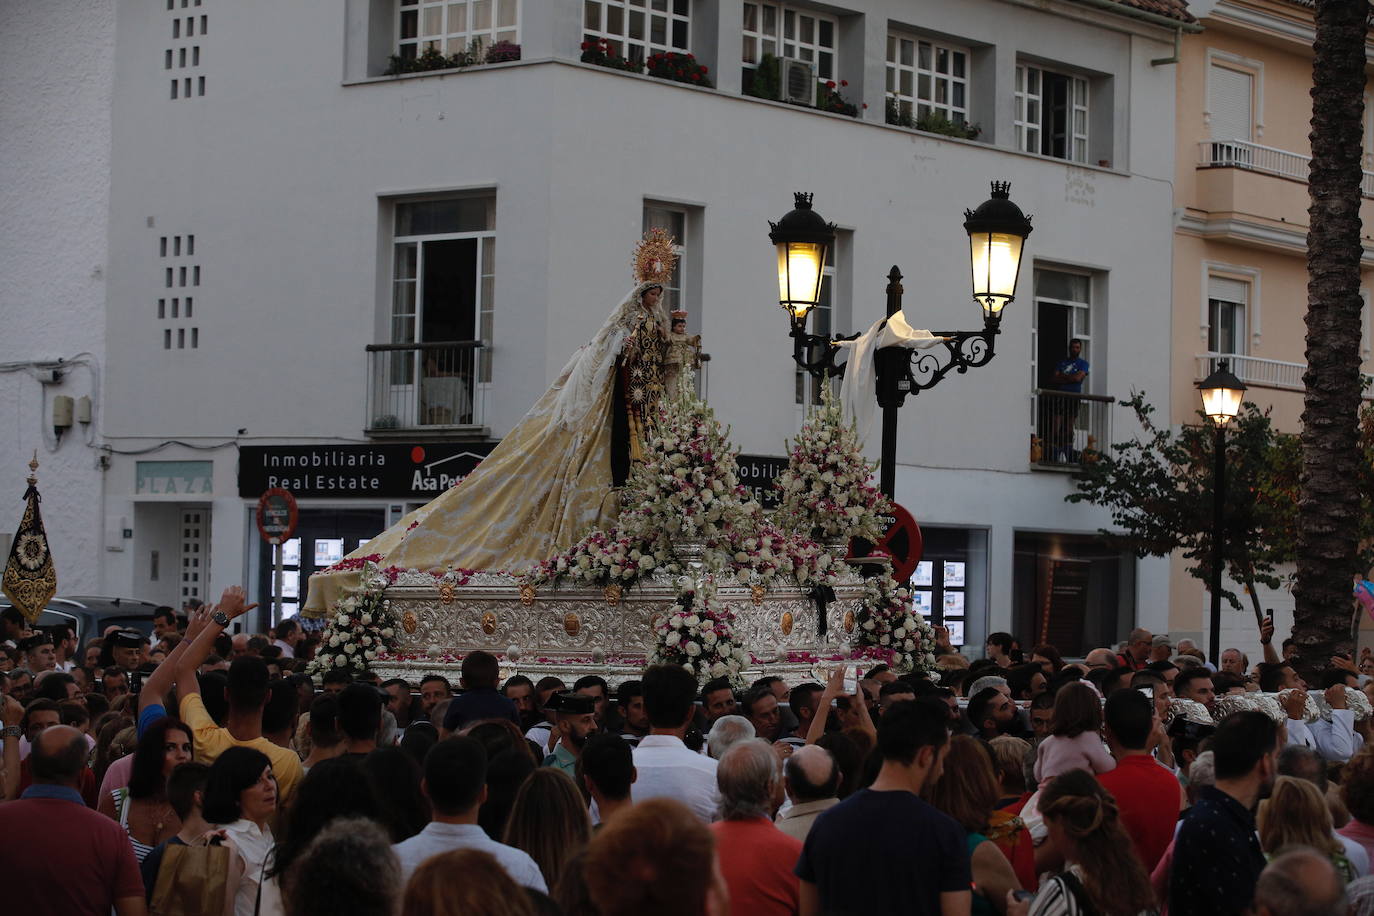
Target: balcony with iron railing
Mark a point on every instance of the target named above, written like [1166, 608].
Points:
[437, 387]
[1068, 429]
[1242, 154]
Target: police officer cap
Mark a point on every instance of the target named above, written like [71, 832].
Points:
[574, 704]
[128, 639]
[29, 643]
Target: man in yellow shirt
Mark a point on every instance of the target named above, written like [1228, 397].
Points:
[247, 694]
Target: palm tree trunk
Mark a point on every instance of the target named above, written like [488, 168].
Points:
[1328, 499]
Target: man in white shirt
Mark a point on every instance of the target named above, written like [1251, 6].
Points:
[455, 781]
[289, 633]
[666, 768]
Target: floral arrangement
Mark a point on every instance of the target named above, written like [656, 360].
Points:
[828, 98]
[601, 53]
[434, 59]
[696, 633]
[887, 620]
[932, 122]
[765, 556]
[359, 630]
[825, 489]
[688, 486]
[602, 558]
[502, 52]
[681, 68]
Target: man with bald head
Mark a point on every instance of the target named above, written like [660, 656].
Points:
[73, 860]
[1301, 882]
[1100, 658]
[811, 779]
[1138, 645]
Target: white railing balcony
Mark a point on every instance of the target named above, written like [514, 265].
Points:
[1266, 373]
[1242, 154]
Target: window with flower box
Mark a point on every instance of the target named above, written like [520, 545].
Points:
[786, 31]
[635, 29]
[1051, 113]
[450, 27]
[926, 78]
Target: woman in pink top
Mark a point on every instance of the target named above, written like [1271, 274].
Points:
[1357, 791]
[1075, 742]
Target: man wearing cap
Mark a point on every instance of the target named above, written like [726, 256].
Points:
[576, 722]
[38, 652]
[1160, 648]
[127, 648]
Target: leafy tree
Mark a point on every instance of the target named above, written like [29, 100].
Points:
[1158, 488]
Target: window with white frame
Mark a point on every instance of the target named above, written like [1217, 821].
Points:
[927, 77]
[1227, 299]
[1063, 313]
[786, 31]
[443, 288]
[672, 220]
[452, 26]
[636, 29]
[1051, 113]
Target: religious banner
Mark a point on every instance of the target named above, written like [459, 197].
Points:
[30, 580]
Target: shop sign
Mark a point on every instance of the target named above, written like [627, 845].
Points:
[386, 470]
[174, 478]
[757, 473]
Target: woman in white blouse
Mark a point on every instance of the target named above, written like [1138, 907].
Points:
[241, 797]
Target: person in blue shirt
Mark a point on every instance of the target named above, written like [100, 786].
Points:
[1070, 373]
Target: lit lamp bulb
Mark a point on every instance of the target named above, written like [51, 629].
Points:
[799, 275]
[1221, 394]
[997, 233]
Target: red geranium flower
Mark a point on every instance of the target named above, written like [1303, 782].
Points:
[844, 82]
[830, 84]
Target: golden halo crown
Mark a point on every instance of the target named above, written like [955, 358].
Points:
[654, 257]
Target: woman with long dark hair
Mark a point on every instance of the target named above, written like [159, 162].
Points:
[1103, 874]
[334, 788]
[141, 807]
[549, 821]
[394, 776]
[241, 798]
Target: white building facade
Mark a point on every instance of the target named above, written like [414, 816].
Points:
[352, 284]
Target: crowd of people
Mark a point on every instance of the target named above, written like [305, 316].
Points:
[197, 772]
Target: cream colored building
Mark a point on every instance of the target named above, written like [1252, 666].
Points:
[1240, 269]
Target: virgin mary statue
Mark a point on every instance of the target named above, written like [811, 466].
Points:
[555, 476]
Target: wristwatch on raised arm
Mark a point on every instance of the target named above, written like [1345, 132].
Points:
[11, 731]
[219, 618]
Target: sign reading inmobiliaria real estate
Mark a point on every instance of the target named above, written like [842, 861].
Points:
[390, 470]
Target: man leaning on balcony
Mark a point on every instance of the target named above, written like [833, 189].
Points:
[1069, 375]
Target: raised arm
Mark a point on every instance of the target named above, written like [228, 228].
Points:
[1267, 639]
[160, 681]
[834, 687]
[231, 605]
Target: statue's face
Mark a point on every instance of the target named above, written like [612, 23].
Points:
[679, 327]
[651, 296]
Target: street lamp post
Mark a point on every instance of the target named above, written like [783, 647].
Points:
[1221, 395]
[997, 233]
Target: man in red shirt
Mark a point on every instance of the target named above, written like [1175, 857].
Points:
[1148, 795]
[756, 857]
[74, 862]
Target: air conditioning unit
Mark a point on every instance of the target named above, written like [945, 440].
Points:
[798, 81]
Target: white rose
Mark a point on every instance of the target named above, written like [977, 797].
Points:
[350, 648]
[370, 654]
[719, 669]
[709, 637]
[693, 621]
[673, 638]
[334, 640]
[342, 620]
[367, 620]
[341, 660]
[692, 649]
[388, 632]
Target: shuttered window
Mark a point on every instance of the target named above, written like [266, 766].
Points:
[1230, 99]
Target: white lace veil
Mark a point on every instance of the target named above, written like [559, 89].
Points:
[590, 367]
